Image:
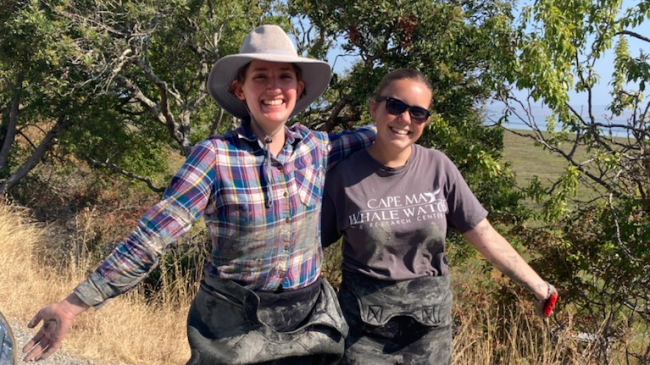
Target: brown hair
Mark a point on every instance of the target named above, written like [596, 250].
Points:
[401, 74]
[241, 77]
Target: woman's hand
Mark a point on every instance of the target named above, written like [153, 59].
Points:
[57, 319]
[545, 306]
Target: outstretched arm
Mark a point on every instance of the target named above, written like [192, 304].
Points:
[57, 319]
[183, 202]
[498, 251]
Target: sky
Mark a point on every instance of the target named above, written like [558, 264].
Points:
[604, 67]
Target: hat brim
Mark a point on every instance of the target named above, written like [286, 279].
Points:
[316, 75]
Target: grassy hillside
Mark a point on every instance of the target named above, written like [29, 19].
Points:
[529, 160]
[125, 331]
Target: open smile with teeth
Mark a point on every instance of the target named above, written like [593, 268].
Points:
[273, 102]
[401, 132]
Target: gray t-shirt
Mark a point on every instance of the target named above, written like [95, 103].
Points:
[394, 220]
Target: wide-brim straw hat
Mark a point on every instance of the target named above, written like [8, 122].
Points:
[267, 43]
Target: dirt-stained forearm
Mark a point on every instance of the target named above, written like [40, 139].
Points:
[498, 251]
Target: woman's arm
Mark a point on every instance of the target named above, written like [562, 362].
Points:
[342, 145]
[183, 203]
[498, 251]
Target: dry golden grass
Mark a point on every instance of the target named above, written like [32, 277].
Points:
[125, 330]
[522, 339]
[129, 331]
[527, 341]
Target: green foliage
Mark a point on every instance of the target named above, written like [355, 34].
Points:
[451, 42]
[557, 47]
[477, 152]
[595, 251]
[114, 84]
[601, 258]
[455, 44]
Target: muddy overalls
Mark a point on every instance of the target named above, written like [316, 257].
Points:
[397, 322]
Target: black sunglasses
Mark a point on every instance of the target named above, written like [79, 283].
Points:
[397, 107]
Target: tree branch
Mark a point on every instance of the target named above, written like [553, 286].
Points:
[331, 122]
[539, 137]
[216, 122]
[38, 153]
[121, 61]
[154, 108]
[633, 34]
[27, 138]
[10, 135]
[125, 173]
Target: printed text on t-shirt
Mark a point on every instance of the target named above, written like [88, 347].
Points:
[401, 209]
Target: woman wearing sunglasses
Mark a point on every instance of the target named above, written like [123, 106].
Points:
[393, 203]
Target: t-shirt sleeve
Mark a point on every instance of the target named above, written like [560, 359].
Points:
[465, 210]
[330, 232]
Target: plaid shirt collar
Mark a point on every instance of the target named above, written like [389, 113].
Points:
[245, 131]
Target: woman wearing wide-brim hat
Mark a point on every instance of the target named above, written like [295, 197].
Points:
[259, 188]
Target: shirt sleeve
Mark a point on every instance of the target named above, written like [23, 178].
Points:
[344, 144]
[465, 210]
[329, 227]
[183, 202]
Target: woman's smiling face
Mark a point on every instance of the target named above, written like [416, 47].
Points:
[270, 90]
[396, 133]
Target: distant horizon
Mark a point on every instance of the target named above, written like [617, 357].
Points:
[540, 112]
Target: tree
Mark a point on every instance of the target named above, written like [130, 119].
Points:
[596, 250]
[112, 84]
[455, 43]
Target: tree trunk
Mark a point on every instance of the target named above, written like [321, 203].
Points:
[36, 156]
[10, 135]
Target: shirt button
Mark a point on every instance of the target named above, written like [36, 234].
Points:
[288, 220]
[286, 194]
[286, 247]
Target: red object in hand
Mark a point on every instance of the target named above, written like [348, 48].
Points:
[550, 304]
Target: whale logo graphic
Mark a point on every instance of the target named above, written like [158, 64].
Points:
[432, 196]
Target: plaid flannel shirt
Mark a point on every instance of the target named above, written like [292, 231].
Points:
[225, 180]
